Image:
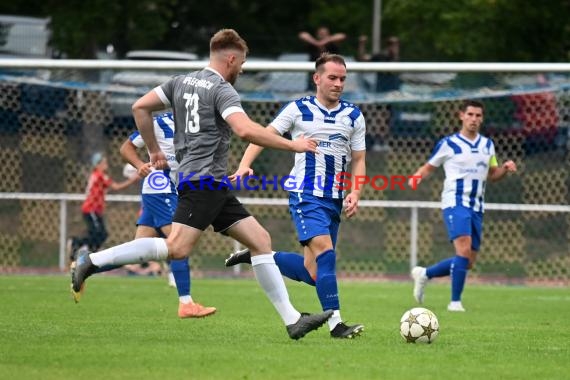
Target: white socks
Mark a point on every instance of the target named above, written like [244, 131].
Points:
[134, 252]
[334, 319]
[270, 279]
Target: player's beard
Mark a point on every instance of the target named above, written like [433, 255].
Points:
[232, 78]
[335, 95]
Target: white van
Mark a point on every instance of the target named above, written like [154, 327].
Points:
[149, 79]
[24, 37]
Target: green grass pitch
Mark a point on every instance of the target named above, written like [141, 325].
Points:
[127, 328]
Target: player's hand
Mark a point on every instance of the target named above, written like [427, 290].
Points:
[351, 204]
[158, 160]
[242, 171]
[302, 144]
[510, 166]
[145, 169]
[414, 181]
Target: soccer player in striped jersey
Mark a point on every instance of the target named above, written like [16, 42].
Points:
[469, 161]
[316, 194]
[159, 202]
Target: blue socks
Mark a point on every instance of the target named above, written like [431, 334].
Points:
[181, 272]
[291, 265]
[440, 269]
[458, 275]
[456, 267]
[327, 288]
[180, 269]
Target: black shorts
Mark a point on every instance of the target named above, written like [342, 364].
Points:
[200, 208]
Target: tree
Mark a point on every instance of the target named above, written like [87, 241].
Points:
[80, 29]
[481, 30]
[443, 30]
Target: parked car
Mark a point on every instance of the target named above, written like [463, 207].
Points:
[128, 85]
[288, 85]
[24, 37]
[144, 78]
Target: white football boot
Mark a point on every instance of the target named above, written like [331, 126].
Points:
[420, 280]
[455, 306]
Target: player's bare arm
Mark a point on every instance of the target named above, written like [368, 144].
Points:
[497, 173]
[422, 173]
[358, 165]
[244, 169]
[129, 153]
[251, 153]
[142, 113]
[253, 132]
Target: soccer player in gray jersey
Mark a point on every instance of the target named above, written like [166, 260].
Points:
[207, 109]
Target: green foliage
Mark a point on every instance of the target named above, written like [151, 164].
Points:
[444, 30]
[82, 28]
[126, 328]
[481, 30]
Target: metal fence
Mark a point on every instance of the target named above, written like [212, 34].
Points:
[49, 127]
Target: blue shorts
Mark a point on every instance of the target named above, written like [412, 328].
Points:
[463, 221]
[157, 210]
[314, 216]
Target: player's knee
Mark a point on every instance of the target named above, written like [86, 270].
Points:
[264, 239]
[472, 260]
[176, 251]
[310, 265]
[176, 255]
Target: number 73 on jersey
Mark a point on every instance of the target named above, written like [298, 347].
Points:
[192, 116]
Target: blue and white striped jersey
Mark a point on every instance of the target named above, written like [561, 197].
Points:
[160, 181]
[466, 165]
[338, 131]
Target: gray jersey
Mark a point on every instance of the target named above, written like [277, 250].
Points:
[200, 102]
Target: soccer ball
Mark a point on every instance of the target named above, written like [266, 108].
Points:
[419, 325]
[129, 171]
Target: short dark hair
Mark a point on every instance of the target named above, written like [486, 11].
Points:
[471, 103]
[227, 39]
[328, 57]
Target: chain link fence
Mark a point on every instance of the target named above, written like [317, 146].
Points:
[50, 129]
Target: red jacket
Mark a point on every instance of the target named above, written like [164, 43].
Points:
[96, 189]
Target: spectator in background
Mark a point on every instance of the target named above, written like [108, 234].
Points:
[322, 42]
[94, 205]
[384, 81]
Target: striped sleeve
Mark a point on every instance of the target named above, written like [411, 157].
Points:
[137, 139]
[439, 153]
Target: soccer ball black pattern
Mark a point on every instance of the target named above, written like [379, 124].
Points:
[419, 325]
